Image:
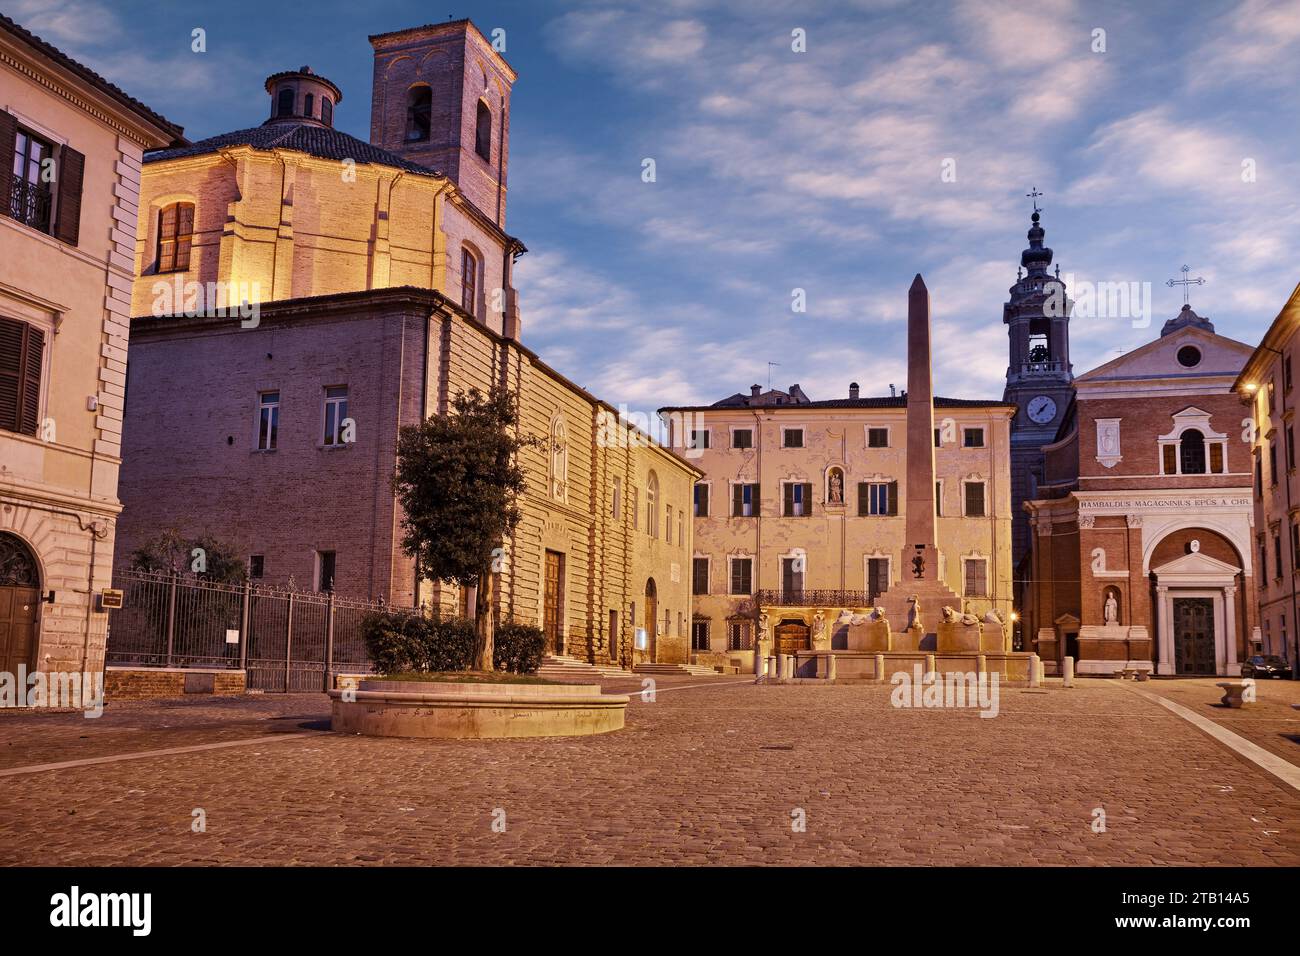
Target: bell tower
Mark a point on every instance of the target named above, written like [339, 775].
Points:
[441, 98]
[1039, 375]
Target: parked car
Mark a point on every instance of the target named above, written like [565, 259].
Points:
[1266, 665]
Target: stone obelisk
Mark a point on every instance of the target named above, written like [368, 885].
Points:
[921, 543]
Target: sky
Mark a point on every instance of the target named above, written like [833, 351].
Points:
[896, 138]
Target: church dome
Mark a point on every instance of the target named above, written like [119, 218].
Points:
[1037, 257]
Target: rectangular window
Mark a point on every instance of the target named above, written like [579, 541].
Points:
[877, 577]
[1290, 447]
[877, 437]
[938, 438]
[792, 438]
[1259, 477]
[616, 505]
[792, 575]
[1169, 459]
[30, 198]
[975, 574]
[1286, 373]
[632, 508]
[738, 636]
[681, 527]
[972, 438]
[700, 575]
[1216, 458]
[324, 570]
[742, 438]
[268, 421]
[974, 499]
[797, 500]
[744, 501]
[701, 501]
[1277, 554]
[668, 524]
[257, 566]
[469, 282]
[700, 636]
[336, 412]
[1295, 545]
[1272, 462]
[877, 498]
[22, 358]
[938, 498]
[742, 576]
[175, 237]
[699, 438]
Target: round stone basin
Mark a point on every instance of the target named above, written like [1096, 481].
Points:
[446, 709]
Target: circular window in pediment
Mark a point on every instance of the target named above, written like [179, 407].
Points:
[1189, 356]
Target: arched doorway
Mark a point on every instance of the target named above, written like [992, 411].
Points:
[651, 613]
[20, 600]
[1197, 585]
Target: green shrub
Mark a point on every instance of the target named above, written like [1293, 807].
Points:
[518, 648]
[406, 640]
[450, 645]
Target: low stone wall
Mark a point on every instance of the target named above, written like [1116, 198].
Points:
[436, 709]
[860, 665]
[147, 683]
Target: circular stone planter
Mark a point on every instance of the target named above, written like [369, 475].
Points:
[398, 708]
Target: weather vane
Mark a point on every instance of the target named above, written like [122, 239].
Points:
[1034, 194]
[1185, 282]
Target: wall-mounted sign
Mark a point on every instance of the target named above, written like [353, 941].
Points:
[110, 598]
[232, 635]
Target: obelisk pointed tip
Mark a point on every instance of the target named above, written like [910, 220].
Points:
[918, 282]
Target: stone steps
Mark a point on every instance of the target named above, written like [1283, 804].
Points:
[560, 667]
[693, 670]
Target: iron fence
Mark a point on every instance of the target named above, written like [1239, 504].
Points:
[285, 640]
[800, 597]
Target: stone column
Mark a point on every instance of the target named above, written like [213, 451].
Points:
[1165, 638]
[1230, 627]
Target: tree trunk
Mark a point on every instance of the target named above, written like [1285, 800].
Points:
[483, 601]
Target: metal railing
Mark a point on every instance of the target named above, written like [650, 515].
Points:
[809, 598]
[30, 203]
[285, 640]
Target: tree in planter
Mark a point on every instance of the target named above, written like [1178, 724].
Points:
[458, 480]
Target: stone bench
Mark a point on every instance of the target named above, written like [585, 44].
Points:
[1233, 691]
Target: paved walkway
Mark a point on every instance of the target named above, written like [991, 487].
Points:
[705, 774]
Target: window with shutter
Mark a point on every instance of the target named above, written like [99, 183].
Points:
[975, 499]
[72, 169]
[701, 501]
[700, 577]
[22, 350]
[175, 236]
[976, 577]
[893, 498]
[741, 575]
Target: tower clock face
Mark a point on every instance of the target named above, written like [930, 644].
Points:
[1041, 409]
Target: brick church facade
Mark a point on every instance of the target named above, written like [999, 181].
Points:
[1142, 529]
[382, 273]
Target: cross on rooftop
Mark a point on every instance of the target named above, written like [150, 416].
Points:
[1186, 283]
[1034, 194]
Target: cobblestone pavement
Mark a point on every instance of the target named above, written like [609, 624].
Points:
[1272, 722]
[705, 774]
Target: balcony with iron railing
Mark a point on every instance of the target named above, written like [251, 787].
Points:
[30, 203]
[804, 597]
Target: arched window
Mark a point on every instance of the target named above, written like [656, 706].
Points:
[175, 234]
[469, 284]
[1191, 452]
[17, 563]
[652, 505]
[326, 111]
[483, 132]
[309, 106]
[559, 458]
[284, 105]
[419, 106]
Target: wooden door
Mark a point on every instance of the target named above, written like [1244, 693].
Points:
[553, 603]
[790, 636]
[17, 627]
[1194, 636]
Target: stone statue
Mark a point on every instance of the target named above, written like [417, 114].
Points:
[762, 626]
[994, 616]
[877, 613]
[1111, 612]
[836, 488]
[819, 624]
[914, 613]
[950, 615]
